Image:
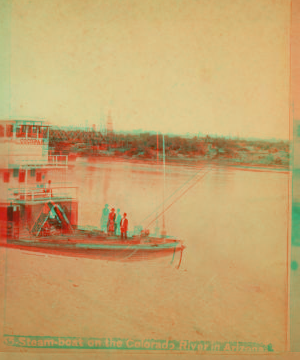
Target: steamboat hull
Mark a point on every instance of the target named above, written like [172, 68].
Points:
[125, 252]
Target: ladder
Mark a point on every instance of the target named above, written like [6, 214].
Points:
[40, 221]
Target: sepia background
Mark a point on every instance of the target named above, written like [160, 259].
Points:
[171, 66]
[210, 67]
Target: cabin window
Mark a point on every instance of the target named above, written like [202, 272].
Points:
[22, 174]
[43, 132]
[15, 172]
[32, 172]
[40, 131]
[23, 130]
[29, 131]
[6, 176]
[9, 130]
[34, 131]
[1, 131]
[20, 131]
[38, 176]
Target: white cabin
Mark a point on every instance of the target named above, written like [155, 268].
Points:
[29, 175]
[23, 142]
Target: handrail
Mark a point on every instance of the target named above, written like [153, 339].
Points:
[43, 163]
[43, 189]
[54, 185]
[57, 160]
[36, 194]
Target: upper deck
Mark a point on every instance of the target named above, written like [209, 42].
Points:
[25, 143]
[26, 164]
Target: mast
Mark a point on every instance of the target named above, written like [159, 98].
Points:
[157, 163]
[157, 149]
[163, 233]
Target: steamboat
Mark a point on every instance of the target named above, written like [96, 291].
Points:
[40, 215]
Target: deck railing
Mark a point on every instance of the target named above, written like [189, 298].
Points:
[66, 192]
[58, 160]
[50, 160]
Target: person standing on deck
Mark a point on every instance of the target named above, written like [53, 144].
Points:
[124, 226]
[111, 222]
[118, 221]
[48, 190]
[104, 218]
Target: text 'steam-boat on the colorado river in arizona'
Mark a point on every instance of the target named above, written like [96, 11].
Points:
[38, 214]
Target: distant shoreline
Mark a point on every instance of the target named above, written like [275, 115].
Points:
[150, 149]
[183, 162]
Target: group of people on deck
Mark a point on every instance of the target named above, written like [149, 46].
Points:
[114, 223]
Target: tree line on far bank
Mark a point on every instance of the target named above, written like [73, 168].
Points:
[147, 145]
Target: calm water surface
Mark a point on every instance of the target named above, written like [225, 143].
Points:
[231, 284]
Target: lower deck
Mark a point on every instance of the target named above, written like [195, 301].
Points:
[81, 236]
[98, 245]
[108, 250]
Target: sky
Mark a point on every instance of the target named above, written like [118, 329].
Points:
[209, 66]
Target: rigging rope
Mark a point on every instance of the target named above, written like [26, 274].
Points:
[168, 207]
[170, 196]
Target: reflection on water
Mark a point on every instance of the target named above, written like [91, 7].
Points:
[231, 284]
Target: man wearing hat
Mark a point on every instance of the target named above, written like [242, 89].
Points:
[111, 222]
[124, 226]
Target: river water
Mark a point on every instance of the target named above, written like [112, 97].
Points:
[232, 283]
